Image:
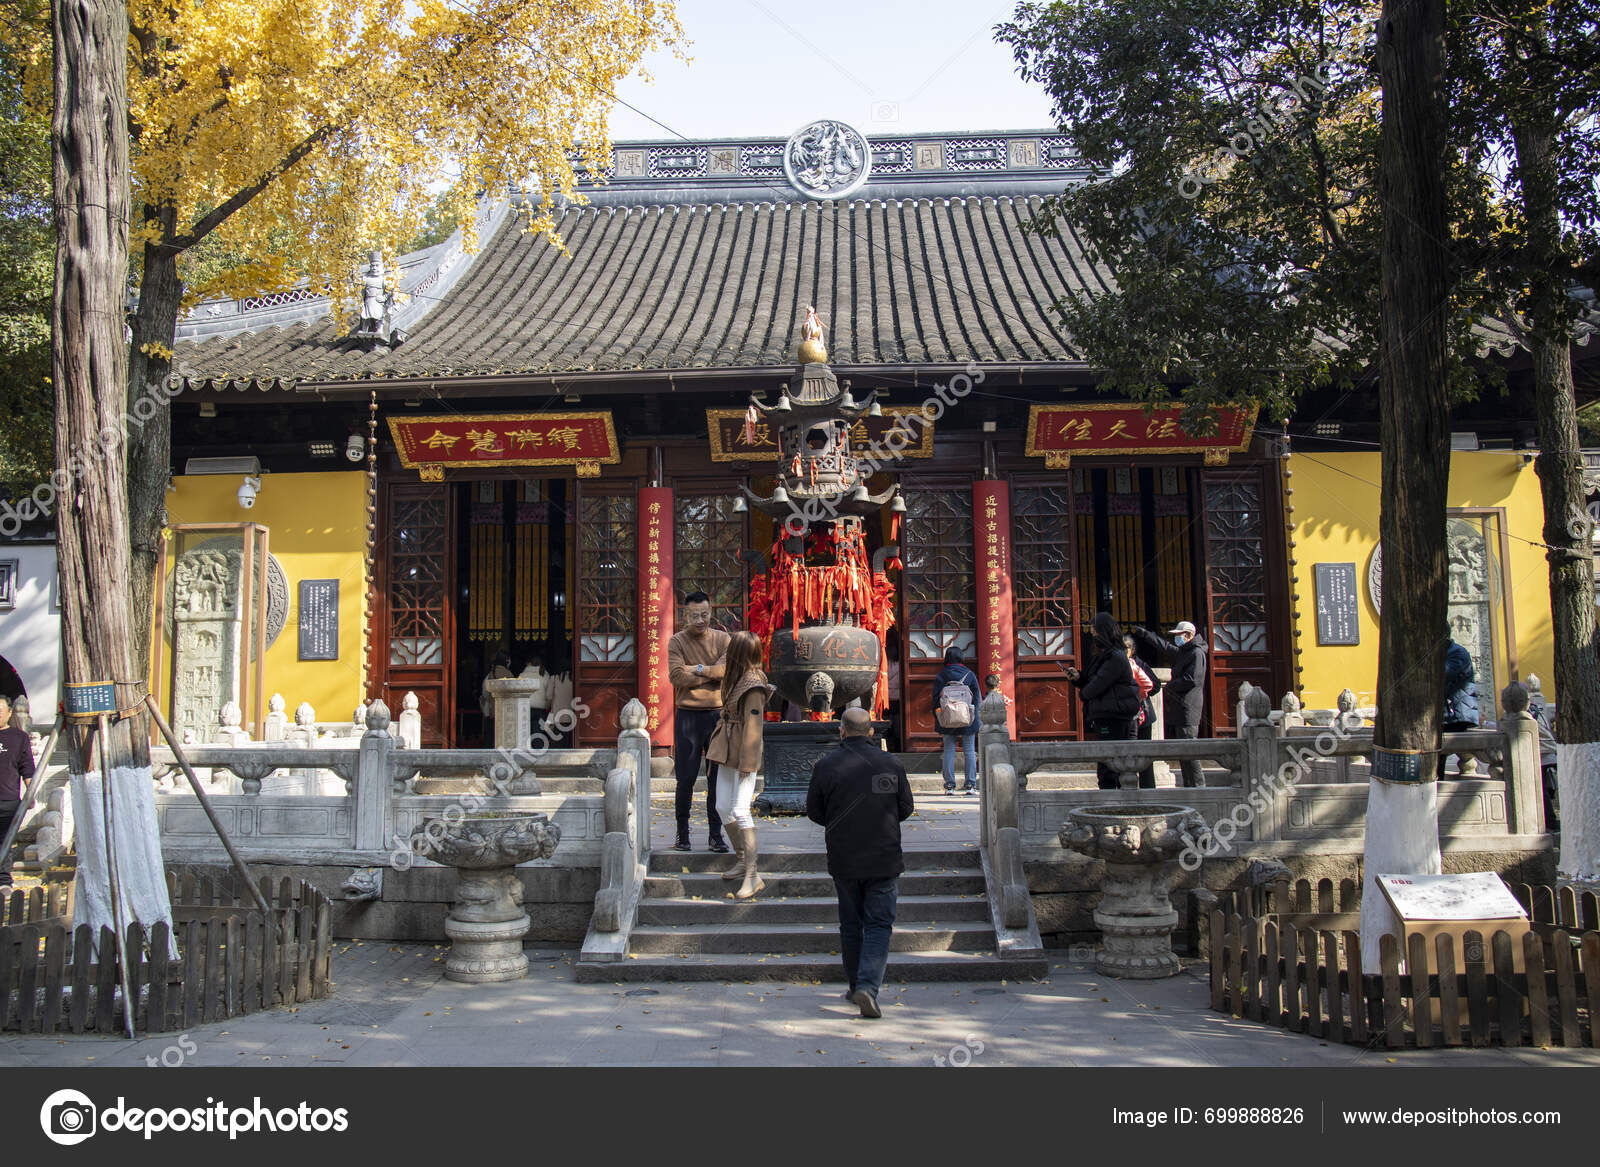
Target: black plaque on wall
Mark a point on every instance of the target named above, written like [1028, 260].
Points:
[1338, 621]
[319, 619]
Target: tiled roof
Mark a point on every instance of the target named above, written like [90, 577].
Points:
[711, 286]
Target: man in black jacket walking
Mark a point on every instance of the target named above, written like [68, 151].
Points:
[860, 796]
[1186, 692]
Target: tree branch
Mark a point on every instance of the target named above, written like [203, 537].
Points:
[241, 198]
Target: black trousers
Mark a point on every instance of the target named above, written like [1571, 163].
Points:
[691, 731]
[1112, 729]
[8, 811]
[1192, 774]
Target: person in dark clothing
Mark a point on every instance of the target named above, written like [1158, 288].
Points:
[1460, 693]
[1186, 692]
[1110, 694]
[860, 796]
[16, 770]
[954, 673]
[1539, 709]
[1144, 678]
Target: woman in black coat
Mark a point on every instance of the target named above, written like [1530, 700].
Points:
[1110, 694]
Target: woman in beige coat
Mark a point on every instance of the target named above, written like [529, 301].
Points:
[736, 747]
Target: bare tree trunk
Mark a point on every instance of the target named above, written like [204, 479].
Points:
[150, 453]
[1567, 526]
[89, 366]
[1402, 817]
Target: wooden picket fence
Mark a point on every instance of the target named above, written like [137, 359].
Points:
[50, 902]
[1301, 970]
[231, 960]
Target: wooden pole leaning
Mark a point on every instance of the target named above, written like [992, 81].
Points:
[33, 790]
[205, 805]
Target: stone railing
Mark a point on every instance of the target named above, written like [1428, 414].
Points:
[384, 793]
[1000, 840]
[1283, 791]
[625, 851]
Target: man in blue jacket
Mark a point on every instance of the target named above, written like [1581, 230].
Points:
[957, 673]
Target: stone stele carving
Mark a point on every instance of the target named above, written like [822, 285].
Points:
[207, 587]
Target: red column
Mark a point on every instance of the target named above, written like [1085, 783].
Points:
[655, 610]
[997, 646]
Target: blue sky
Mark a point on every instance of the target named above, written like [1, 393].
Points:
[764, 68]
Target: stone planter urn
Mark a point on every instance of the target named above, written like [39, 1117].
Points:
[486, 923]
[1140, 845]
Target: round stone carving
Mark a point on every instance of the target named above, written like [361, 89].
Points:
[827, 159]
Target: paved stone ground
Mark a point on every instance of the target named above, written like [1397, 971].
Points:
[392, 1007]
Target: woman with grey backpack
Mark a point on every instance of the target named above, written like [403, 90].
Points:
[955, 714]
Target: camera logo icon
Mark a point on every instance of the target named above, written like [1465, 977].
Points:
[68, 1117]
[885, 784]
[885, 111]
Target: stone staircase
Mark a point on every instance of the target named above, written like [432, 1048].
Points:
[690, 930]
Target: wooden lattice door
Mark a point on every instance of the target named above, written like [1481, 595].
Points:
[416, 629]
[607, 607]
[1045, 608]
[939, 595]
[1244, 572]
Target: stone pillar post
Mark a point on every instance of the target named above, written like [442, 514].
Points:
[1258, 784]
[277, 720]
[513, 703]
[410, 723]
[634, 741]
[374, 792]
[1524, 780]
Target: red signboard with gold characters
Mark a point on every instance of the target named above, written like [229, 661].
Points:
[1060, 431]
[584, 440]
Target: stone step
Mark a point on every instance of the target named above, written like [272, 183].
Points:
[938, 861]
[805, 884]
[803, 910]
[770, 940]
[810, 968]
[923, 784]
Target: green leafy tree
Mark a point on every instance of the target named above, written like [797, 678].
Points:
[27, 245]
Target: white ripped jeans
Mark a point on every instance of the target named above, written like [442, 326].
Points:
[734, 792]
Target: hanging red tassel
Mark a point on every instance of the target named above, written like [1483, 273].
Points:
[751, 417]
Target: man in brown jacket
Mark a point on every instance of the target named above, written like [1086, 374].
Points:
[695, 660]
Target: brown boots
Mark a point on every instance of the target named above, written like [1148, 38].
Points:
[736, 841]
[745, 843]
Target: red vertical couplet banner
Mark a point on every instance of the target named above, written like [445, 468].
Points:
[997, 646]
[655, 610]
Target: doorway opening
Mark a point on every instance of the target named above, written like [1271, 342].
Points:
[513, 558]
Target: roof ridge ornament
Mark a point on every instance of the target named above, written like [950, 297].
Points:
[827, 159]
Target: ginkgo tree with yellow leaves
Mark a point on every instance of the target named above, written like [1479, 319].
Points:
[300, 134]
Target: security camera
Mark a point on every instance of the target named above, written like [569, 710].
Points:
[247, 492]
[355, 449]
